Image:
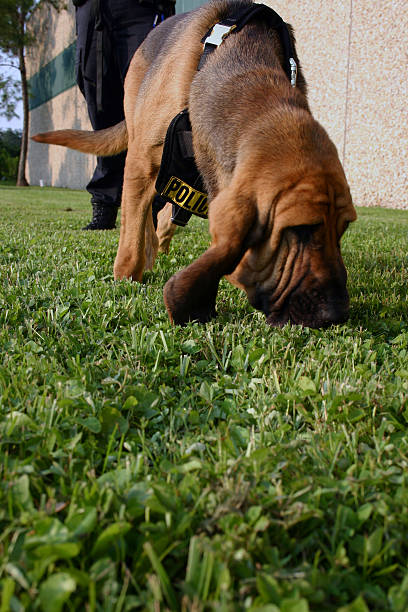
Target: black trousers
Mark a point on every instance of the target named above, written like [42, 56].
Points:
[123, 25]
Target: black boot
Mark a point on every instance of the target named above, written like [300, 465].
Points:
[103, 217]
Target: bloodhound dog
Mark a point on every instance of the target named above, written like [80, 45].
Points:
[279, 202]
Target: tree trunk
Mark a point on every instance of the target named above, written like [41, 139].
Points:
[21, 177]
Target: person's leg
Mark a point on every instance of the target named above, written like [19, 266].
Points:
[125, 26]
[129, 24]
[105, 185]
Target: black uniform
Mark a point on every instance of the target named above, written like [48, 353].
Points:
[109, 32]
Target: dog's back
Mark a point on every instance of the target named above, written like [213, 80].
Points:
[166, 64]
[242, 79]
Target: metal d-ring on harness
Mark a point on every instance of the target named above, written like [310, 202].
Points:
[233, 24]
[179, 180]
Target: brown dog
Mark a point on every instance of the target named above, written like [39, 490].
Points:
[279, 200]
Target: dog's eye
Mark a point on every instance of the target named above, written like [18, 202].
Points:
[306, 233]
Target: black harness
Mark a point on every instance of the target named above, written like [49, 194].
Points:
[179, 181]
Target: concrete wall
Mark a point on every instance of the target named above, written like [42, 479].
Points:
[355, 61]
[55, 165]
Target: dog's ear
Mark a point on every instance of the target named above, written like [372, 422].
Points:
[191, 293]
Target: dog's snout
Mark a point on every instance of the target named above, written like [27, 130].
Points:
[334, 312]
[311, 306]
[320, 306]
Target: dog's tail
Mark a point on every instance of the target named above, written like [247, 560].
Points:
[110, 141]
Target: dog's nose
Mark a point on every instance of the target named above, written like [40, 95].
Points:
[330, 316]
[335, 312]
[319, 308]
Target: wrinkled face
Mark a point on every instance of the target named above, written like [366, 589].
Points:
[294, 271]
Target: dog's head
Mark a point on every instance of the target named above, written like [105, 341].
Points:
[293, 269]
[276, 234]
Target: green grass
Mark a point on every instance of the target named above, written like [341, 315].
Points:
[229, 466]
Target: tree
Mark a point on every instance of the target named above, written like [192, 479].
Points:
[9, 96]
[15, 37]
[10, 144]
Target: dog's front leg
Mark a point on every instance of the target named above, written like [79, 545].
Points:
[136, 226]
[191, 293]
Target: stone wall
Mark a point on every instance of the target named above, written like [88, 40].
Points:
[355, 61]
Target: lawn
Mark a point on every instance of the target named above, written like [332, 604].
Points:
[228, 466]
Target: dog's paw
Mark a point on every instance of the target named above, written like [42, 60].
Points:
[127, 270]
[183, 307]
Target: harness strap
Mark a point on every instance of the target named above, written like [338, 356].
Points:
[235, 22]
